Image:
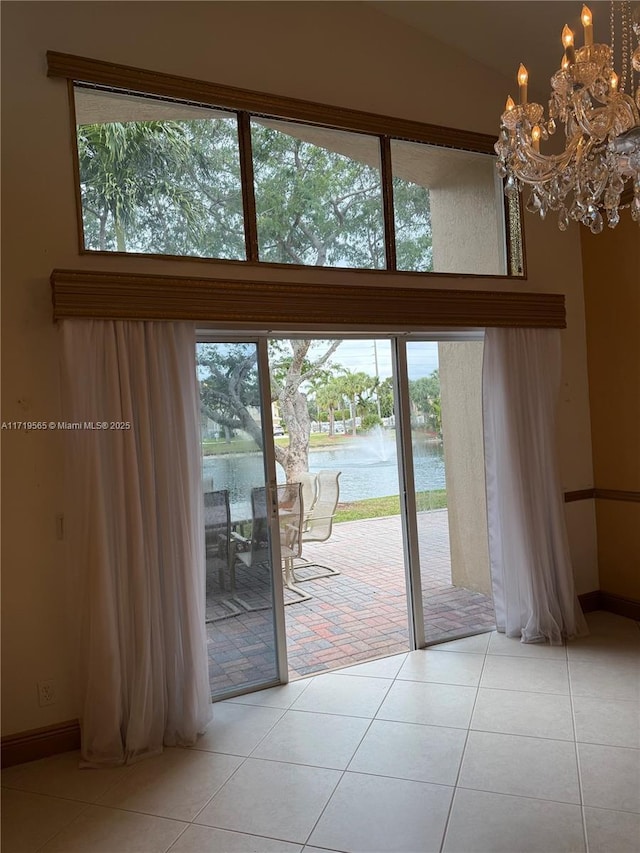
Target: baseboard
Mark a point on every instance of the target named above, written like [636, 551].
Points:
[579, 495]
[39, 743]
[617, 495]
[590, 601]
[628, 607]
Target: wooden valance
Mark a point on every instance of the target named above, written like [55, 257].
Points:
[288, 306]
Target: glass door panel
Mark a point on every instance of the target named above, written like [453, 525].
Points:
[334, 432]
[444, 381]
[240, 613]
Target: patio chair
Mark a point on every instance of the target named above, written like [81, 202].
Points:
[219, 546]
[217, 529]
[319, 522]
[290, 516]
[309, 483]
[291, 520]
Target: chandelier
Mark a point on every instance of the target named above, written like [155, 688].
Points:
[599, 113]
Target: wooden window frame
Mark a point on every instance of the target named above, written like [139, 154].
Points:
[107, 75]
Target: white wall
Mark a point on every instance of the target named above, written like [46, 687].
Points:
[346, 54]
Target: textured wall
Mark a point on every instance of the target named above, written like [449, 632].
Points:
[346, 54]
[612, 299]
[461, 387]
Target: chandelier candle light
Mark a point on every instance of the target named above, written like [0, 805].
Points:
[600, 113]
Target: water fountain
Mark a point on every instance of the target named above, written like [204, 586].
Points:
[374, 448]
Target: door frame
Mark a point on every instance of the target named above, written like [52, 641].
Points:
[269, 457]
[404, 458]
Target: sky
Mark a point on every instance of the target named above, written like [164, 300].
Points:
[360, 355]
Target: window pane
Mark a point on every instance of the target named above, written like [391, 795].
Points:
[158, 177]
[239, 588]
[318, 196]
[448, 209]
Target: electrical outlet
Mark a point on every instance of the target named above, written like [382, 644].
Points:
[47, 692]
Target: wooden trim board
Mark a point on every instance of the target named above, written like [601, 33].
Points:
[40, 743]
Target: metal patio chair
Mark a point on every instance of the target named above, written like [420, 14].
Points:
[254, 551]
[219, 548]
[318, 524]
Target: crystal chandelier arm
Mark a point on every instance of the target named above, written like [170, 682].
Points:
[533, 168]
[618, 116]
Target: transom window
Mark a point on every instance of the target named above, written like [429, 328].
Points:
[172, 178]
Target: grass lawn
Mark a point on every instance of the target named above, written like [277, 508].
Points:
[220, 447]
[377, 507]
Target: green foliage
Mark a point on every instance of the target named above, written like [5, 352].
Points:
[173, 187]
[425, 396]
[385, 396]
[370, 421]
[229, 386]
[412, 215]
[390, 505]
[164, 187]
[315, 206]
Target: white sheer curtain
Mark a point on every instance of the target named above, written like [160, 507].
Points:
[136, 536]
[531, 572]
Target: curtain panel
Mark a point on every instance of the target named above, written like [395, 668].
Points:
[136, 535]
[531, 573]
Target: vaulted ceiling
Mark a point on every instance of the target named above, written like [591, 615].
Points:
[503, 33]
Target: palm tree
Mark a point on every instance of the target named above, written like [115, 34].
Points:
[124, 167]
[329, 397]
[352, 385]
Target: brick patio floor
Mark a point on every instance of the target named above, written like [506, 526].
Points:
[357, 615]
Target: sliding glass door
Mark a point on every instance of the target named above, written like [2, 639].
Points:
[243, 592]
[445, 450]
[343, 486]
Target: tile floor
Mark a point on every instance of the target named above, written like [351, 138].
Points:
[357, 615]
[481, 745]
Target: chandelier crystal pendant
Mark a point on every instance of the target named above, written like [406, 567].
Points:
[599, 111]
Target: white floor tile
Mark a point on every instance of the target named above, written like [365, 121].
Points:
[273, 799]
[615, 679]
[614, 722]
[520, 713]
[496, 823]
[404, 744]
[61, 776]
[102, 830]
[429, 704]
[198, 839]
[238, 729]
[29, 820]
[603, 623]
[282, 696]
[443, 667]
[522, 673]
[319, 850]
[355, 696]
[374, 813]
[477, 644]
[321, 740]
[612, 832]
[604, 648]
[500, 644]
[176, 784]
[524, 766]
[610, 776]
[408, 751]
[383, 668]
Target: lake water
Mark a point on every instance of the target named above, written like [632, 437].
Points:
[368, 465]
